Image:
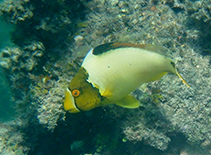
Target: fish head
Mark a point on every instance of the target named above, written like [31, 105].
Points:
[80, 94]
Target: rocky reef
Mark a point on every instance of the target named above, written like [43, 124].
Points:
[51, 38]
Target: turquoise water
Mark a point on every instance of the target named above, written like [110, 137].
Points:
[5, 30]
[7, 110]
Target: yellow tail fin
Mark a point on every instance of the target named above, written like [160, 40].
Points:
[183, 80]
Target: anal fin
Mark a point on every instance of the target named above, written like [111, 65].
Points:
[128, 102]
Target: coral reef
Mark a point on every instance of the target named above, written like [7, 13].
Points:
[16, 11]
[48, 92]
[52, 36]
[11, 141]
[37, 38]
[17, 59]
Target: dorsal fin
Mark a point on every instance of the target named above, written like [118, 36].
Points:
[109, 46]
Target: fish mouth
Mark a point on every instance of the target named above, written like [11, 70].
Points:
[69, 102]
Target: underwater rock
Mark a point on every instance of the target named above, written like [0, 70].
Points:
[151, 136]
[161, 24]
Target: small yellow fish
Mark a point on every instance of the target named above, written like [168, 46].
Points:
[111, 71]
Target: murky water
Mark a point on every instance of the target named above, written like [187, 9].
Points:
[6, 105]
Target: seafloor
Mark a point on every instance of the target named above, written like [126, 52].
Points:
[51, 37]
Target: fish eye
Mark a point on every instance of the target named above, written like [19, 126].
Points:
[75, 92]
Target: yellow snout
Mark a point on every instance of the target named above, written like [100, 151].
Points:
[69, 103]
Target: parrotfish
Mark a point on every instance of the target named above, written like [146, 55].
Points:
[111, 71]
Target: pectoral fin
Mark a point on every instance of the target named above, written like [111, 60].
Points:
[128, 102]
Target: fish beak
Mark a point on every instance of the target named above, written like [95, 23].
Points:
[69, 102]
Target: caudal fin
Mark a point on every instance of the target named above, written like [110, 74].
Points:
[183, 80]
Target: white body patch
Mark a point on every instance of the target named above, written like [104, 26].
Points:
[120, 71]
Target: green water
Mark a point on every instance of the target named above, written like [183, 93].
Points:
[5, 30]
[7, 110]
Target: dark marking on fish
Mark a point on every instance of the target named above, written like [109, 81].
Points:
[112, 46]
[173, 64]
[102, 48]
